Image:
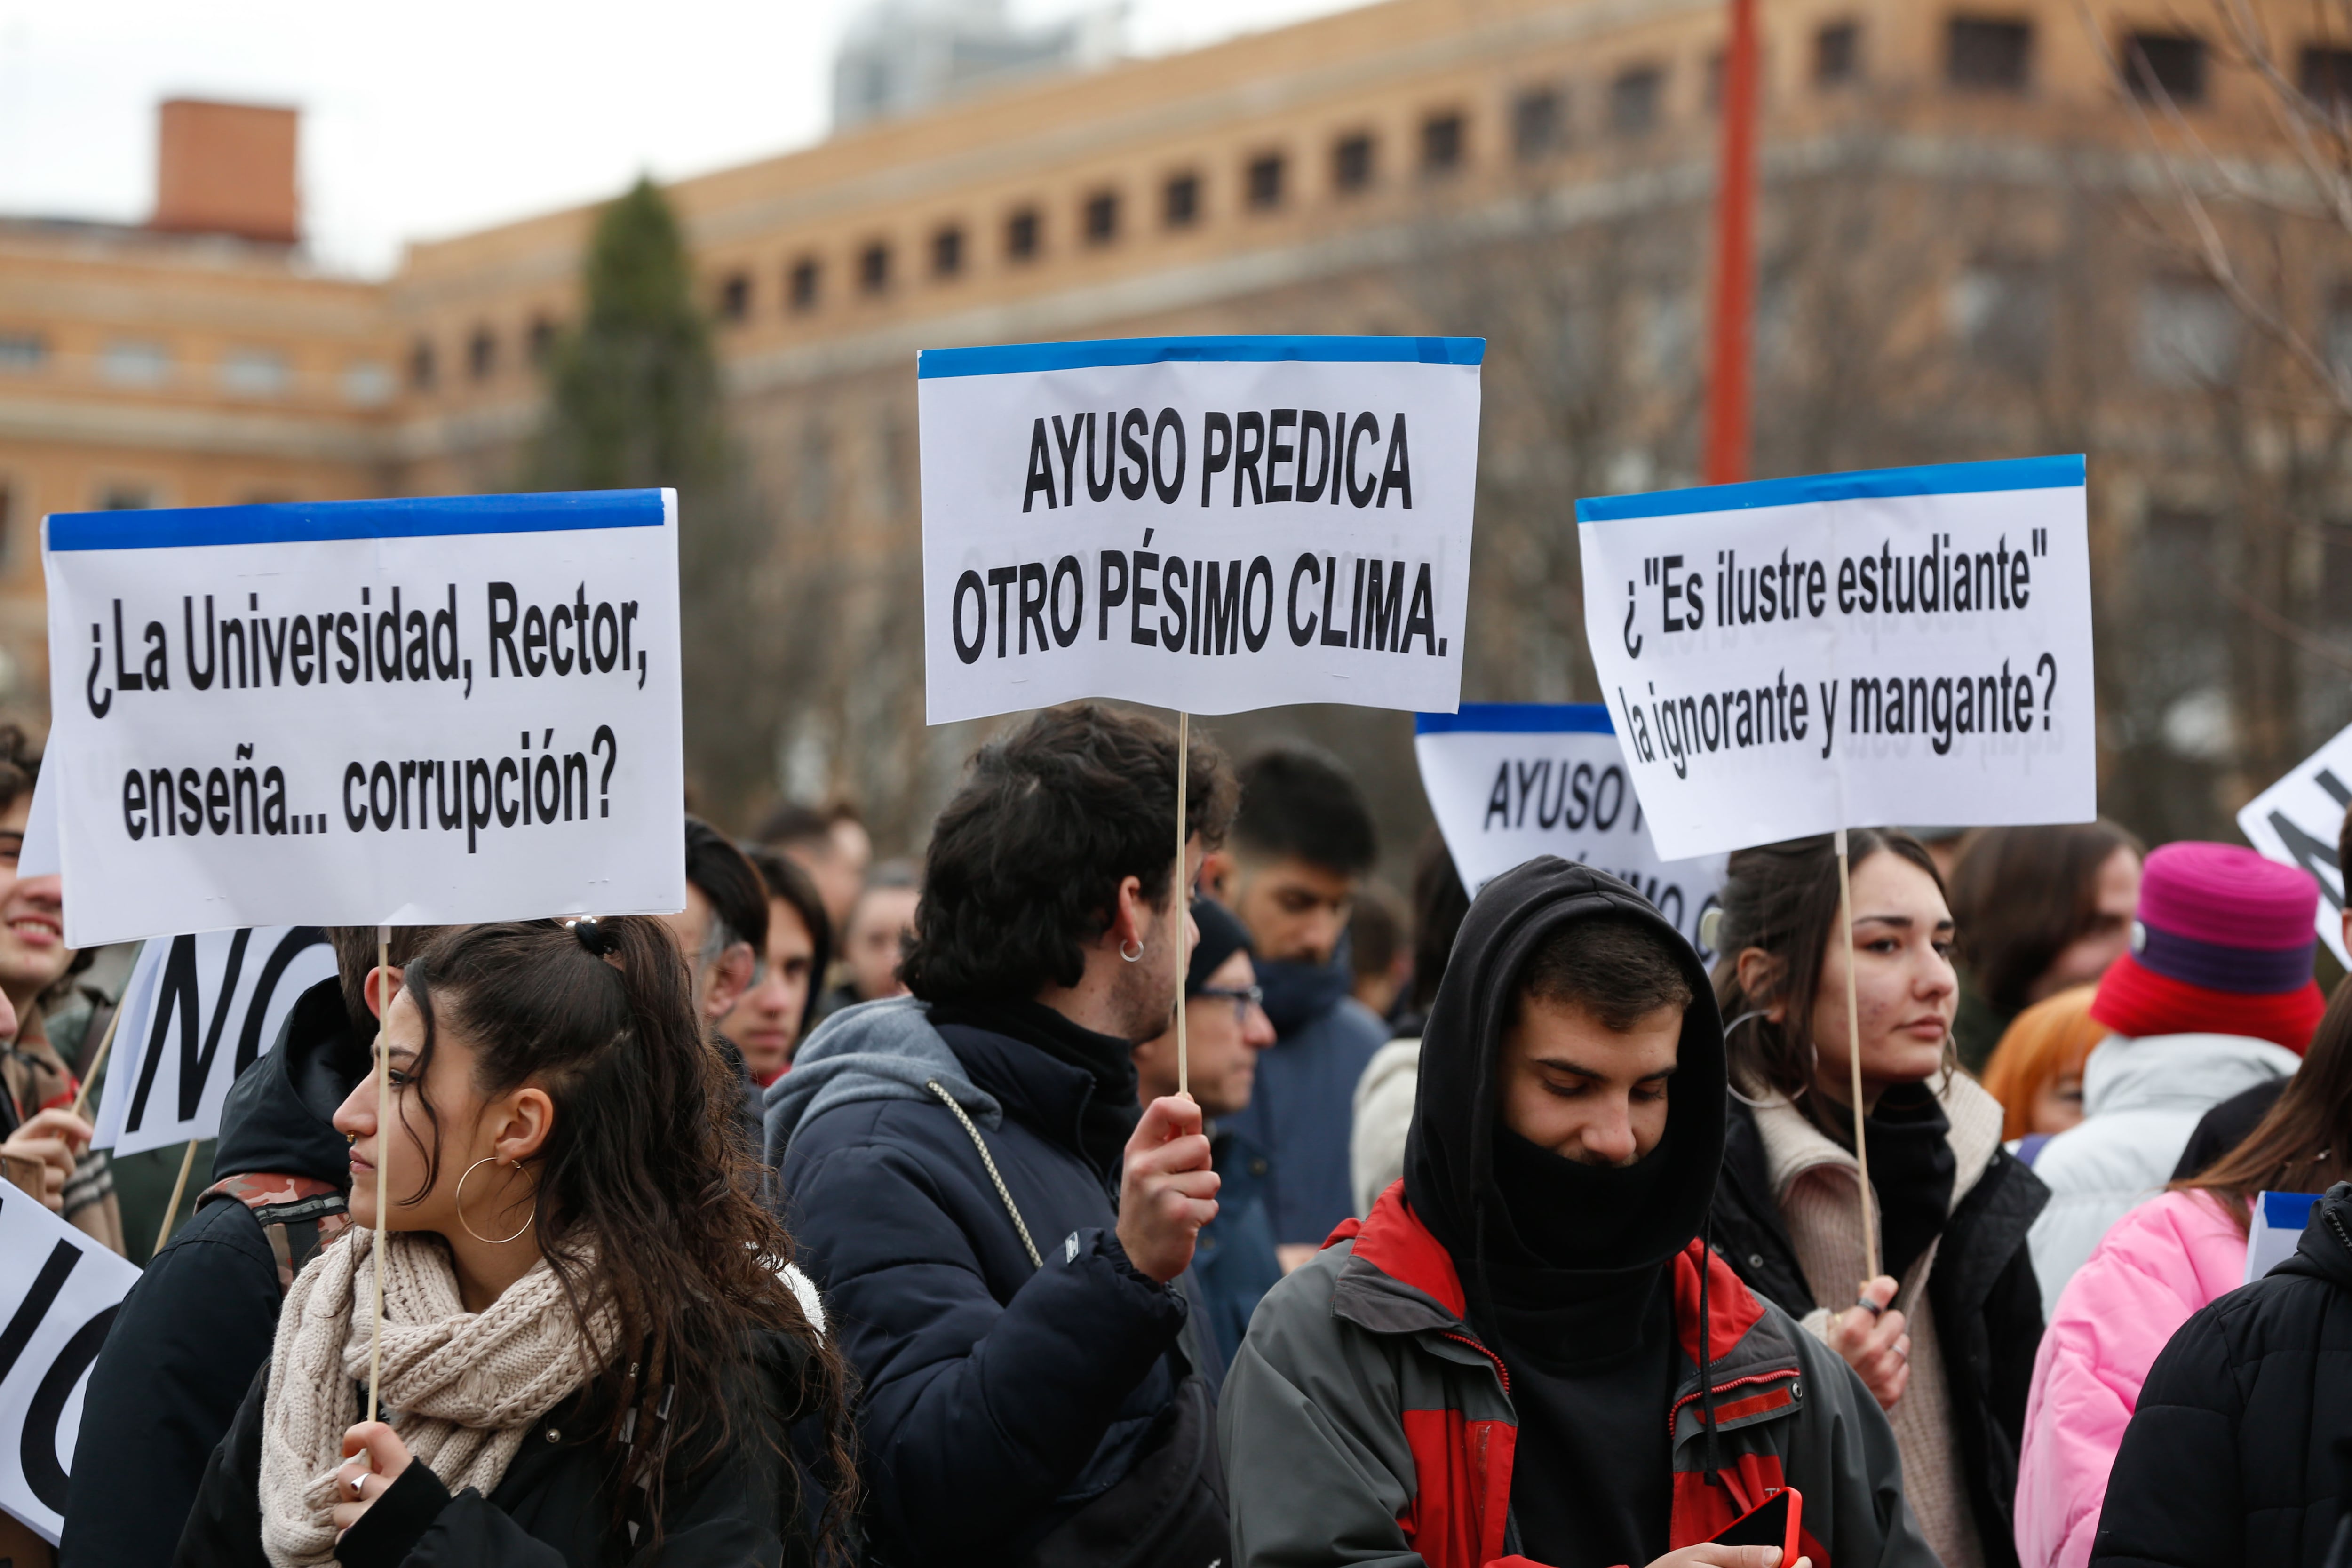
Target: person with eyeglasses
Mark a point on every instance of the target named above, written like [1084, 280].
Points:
[1233, 1260]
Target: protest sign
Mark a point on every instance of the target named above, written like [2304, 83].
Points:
[198, 1011]
[2297, 822]
[1509, 781]
[351, 713]
[1794, 656]
[59, 1290]
[2274, 1229]
[1207, 524]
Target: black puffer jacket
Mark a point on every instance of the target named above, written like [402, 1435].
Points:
[184, 1347]
[2231, 1457]
[1987, 1304]
[998, 1396]
[555, 1505]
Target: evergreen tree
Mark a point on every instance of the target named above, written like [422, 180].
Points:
[635, 402]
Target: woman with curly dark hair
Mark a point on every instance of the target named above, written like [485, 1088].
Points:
[589, 1353]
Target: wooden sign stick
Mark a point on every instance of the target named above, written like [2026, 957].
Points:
[1853, 1059]
[383, 1151]
[1183, 901]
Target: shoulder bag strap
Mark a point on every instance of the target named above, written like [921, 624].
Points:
[987, 1160]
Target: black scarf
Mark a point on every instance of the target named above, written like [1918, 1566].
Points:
[1912, 1167]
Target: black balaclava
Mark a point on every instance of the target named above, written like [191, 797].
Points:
[1566, 1268]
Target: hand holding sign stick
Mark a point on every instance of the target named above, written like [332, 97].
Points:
[383, 1151]
[1854, 1062]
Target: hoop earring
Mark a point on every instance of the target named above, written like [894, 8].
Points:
[460, 1203]
[1135, 957]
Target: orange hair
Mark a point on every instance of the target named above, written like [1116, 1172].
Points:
[2045, 1043]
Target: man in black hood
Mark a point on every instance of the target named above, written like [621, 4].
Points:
[201, 1320]
[1528, 1349]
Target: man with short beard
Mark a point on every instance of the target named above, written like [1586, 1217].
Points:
[995, 1223]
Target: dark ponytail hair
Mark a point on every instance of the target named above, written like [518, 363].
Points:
[1783, 898]
[645, 1201]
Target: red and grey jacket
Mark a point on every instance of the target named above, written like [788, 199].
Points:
[1364, 1423]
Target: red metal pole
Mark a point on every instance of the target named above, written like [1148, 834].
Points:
[1735, 258]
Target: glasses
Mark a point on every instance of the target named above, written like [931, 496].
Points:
[1243, 997]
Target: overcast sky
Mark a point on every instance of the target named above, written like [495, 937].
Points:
[432, 117]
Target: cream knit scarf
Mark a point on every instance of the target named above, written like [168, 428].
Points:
[461, 1388]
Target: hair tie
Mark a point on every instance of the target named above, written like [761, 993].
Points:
[595, 937]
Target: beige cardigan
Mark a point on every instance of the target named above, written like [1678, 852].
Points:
[1815, 1182]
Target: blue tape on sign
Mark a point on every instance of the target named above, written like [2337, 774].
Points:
[1934, 480]
[1004, 358]
[303, 522]
[2288, 1211]
[1519, 718]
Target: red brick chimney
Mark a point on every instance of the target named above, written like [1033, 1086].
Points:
[226, 168]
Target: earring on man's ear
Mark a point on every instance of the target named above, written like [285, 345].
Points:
[1135, 957]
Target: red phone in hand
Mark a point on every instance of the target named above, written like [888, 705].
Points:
[1778, 1520]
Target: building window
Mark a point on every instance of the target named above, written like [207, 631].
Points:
[735, 296]
[1538, 123]
[2188, 334]
[1101, 217]
[21, 352]
[481, 355]
[1024, 234]
[1837, 54]
[1442, 142]
[802, 284]
[1351, 163]
[1180, 201]
[1634, 100]
[2166, 65]
[125, 495]
[136, 362]
[255, 372]
[2000, 314]
[947, 251]
[1987, 55]
[1263, 181]
[874, 268]
[539, 341]
[2326, 78]
[367, 383]
[423, 372]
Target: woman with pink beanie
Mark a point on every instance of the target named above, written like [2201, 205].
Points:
[2214, 997]
[2170, 1256]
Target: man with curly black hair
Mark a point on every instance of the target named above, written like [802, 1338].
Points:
[996, 1224]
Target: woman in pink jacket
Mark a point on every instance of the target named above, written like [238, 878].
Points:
[2156, 1267]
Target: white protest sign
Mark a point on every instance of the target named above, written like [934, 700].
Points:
[59, 1290]
[1794, 656]
[197, 1010]
[358, 713]
[1211, 524]
[1510, 781]
[2297, 822]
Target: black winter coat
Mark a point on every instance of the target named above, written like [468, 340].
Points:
[1986, 1304]
[2231, 1456]
[998, 1396]
[555, 1505]
[184, 1347]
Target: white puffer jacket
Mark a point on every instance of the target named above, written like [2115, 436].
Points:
[2141, 1100]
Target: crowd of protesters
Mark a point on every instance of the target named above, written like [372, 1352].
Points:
[873, 1212]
